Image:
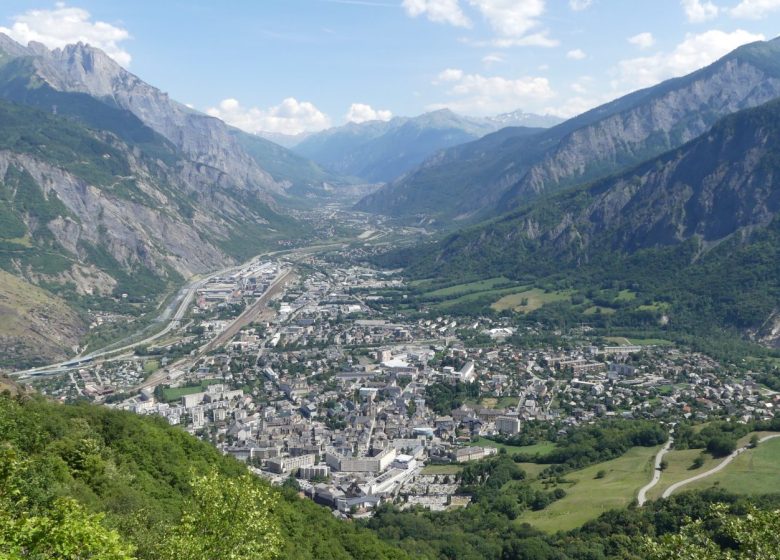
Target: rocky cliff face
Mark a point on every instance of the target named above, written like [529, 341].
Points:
[496, 176]
[204, 139]
[665, 121]
[154, 237]
[722, 184]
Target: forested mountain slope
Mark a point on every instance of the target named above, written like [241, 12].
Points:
[697, 228]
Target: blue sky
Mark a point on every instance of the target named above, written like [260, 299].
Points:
[300, 65]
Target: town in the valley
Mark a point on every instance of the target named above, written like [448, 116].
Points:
[300, 365]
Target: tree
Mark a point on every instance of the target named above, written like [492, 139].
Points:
[720, 536]
[65, 530]
[226, 518]
[720, 446]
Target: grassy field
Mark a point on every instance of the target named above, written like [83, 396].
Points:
[626, 295]
[441, 469]
[171, 394]
[471, 287]
[651, 342]
[532, 470]
[529, 300]
[538, 449]
[475, 296]
[493, 402]
[619, 340]
[679, 468]
[150, 366]
[598, 309]
[756, 471]
[587, 497]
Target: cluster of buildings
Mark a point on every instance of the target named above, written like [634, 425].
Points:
[348, 401]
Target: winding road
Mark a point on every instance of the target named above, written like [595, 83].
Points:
[722, 465]
[659, 457]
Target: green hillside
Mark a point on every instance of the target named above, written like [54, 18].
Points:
[138, 488]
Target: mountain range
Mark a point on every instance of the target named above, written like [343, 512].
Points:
[109, 188]
[380, 151]
[111, 192]
[693, 234]
[503, 170]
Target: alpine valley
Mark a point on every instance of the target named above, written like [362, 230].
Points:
[436, 337]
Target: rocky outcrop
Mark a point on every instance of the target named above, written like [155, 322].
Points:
[207, 140]
[131, 232]
[664, 122]
[204, 139]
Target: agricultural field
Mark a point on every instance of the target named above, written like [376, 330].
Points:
[587, 497]
[530, 300]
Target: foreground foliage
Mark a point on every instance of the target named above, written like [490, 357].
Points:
[80, 481]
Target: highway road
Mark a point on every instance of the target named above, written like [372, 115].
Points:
[180, 303]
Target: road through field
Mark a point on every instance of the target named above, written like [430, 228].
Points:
[722, 465]
[642, 496]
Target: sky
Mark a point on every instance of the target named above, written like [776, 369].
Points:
[293, 66]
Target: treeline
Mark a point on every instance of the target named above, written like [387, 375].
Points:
[81, 481]
[628, 534]
[720, 438]
[590, 444]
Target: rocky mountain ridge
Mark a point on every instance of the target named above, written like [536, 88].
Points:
[504, 170]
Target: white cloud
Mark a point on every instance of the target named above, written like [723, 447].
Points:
[642, 40]
[579, 5]
[754, 9]
[582, 85]
[449, 75]
[65, 25]
[360, 112]
[289, 117]
[698, 11]
[492, 58]
[576, 54]
[515, 21]
[695, 52]
[480, 95]
[439, 11]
